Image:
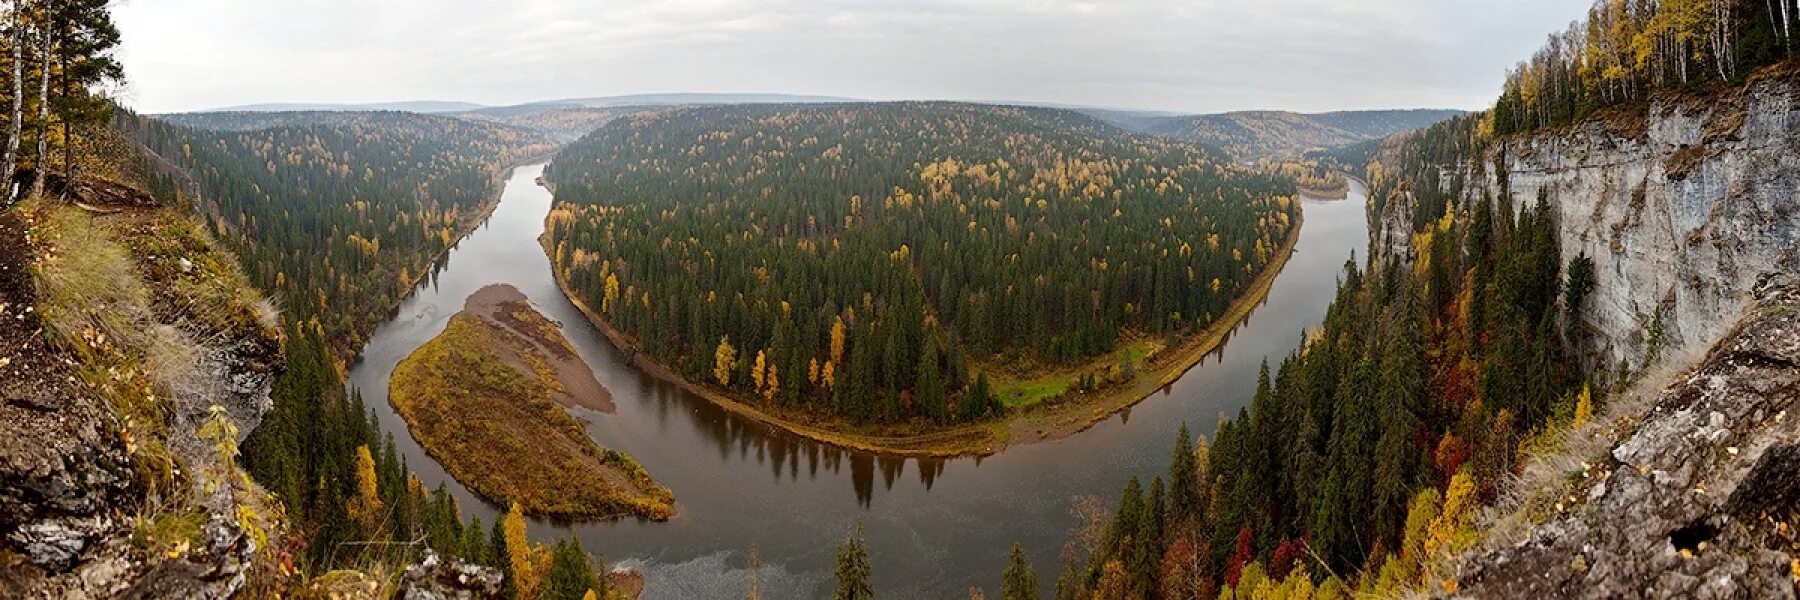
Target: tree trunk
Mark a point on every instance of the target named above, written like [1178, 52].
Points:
[67, 89]
[43, 142]
[15, 126]
[1787, 36]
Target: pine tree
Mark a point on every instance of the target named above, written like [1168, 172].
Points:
[853, 569]
[1019, 581]
[977, 401]
[1184, 486]
[502, 558]
[569, 576]
[930, 389]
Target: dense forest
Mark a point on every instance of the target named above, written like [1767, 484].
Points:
[873, 261]
[339, 214]
[1627, 49]
[1365, 452]
[1362, 457]
[341, 218]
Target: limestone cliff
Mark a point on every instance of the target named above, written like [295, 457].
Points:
[1689, 209]
[1681, 208]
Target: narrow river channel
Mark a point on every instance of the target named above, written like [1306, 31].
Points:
[934, 527]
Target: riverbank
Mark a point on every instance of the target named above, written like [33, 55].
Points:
[1043, 421]
[485, 399]
[465, 225]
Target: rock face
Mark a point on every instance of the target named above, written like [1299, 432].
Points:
[69, 489]
[1681, 212]
[1701, 500]
[444, 578]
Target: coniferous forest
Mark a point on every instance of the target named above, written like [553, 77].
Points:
[871, 262]
[341, 218]
[340, 214]
[1364, 456]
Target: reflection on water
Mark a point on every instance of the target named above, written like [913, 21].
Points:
[935, 526]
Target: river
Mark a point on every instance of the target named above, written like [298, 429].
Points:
[935, 527]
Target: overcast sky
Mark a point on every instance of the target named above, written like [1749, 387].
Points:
[1178, 55]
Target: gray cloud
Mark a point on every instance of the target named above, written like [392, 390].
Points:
[1186, 55]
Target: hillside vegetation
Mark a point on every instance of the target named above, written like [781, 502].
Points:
[872, 263]
[1446, 378]
[341, 216]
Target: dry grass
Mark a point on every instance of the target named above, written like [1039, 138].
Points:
[1560, 463]
[87, 282]
[142, 299]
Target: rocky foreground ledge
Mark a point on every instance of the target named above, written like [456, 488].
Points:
[1701, 500]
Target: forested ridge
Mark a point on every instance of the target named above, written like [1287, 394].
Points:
[341, 217]
[870, 262]
[1254, 135]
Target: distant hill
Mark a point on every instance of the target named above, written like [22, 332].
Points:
[563, 123]
[700, 98]
[255, 120]
[1251, 135]
[421, 106]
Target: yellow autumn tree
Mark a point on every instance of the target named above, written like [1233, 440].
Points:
[528, 561]
[723, 358]
[837, 340]
[1584, 406]
[774, 384]
[612, 292]
[812, 372]
[1420, 514]
[756, 370]
[1457, 501]
[366, 508]
[828, 375]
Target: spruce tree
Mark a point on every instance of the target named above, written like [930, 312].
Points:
[1018, 582]
[853, 569]
[930, 394]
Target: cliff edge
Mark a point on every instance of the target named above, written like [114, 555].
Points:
[1699, 500]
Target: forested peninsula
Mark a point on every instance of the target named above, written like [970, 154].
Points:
[912, 278]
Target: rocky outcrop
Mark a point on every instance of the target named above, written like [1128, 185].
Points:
[1391, 229]
[1681, 209]
[1700, 500]
[73, 507]
[437, 577]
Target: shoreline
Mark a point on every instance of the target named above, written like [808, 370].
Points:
[1039, 423]
[1330, 194]
[496, 183]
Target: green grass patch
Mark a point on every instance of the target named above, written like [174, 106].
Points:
[1110, 369]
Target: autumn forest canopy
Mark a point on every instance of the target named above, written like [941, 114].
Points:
[1627, 49]
[874, 261]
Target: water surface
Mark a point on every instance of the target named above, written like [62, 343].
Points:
[935, 527]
